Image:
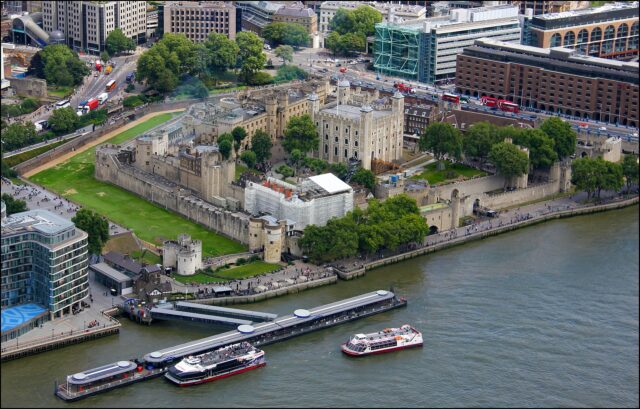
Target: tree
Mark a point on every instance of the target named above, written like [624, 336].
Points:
[238, 134]
[285, 171]
[249, 158]
[342, 22]
[365, 178]
[332, 42]
[63, 120]
[541, 147]
[292, 34]
[59, 65]
[14, 205]
[290, 72]
[6, 171]
[563, 136]
[478, 140]
[509, 160]
[584, 174]
[104, 56]
[96, 226]
[300, 134]
[117, 42]
[250, 55]
[365, 18]
[340, 170]
[612, 178]
[352, 42]
[442, 139]
[261, 145]
[630, 170]
[296, 157]
[260, 78]
[225, 148]
[285, 52]
[18, 135]
[223, 52]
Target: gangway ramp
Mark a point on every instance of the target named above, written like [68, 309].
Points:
[224, 311]
[169, 314]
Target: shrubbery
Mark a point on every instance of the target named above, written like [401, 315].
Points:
[25, 107]
[260, 78]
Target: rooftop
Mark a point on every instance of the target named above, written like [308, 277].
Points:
[330, 183]
[592, 10]
[16, 316]
[295, 11]
[39, 220]
[353, 112]
[110, 272]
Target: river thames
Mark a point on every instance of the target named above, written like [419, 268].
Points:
[543, 316]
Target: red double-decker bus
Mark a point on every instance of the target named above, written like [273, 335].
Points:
[508, 106]
[451, 98]
[489, 101]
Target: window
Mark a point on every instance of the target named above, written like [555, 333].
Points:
[569, 39]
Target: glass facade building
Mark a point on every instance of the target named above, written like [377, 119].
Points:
[44, 261]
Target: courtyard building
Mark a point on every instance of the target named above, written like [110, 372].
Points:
[557, 79]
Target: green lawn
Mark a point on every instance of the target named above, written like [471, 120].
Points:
[451, 172]
[200, 278]
[74, 179]
[59, 91]
[21, 157]
[240, 169]
[148, 257]
[247, 270]
[228, 89]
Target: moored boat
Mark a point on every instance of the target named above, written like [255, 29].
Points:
[387, 340]
[221, 363]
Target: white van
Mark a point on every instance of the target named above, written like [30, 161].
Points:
[102, 98]
[65, 103]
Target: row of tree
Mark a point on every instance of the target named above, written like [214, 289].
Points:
[292, 34]
[350, 29]
[383, 225]
[596, 175]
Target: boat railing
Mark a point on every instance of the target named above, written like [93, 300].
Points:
[62, 387]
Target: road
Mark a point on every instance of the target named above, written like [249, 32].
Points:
[315, 60]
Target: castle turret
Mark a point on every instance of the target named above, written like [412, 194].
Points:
[272, 243]
[344, 92]
[366, 127]
[397, 107]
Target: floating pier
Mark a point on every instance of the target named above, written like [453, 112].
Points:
[169, 314]
[302, 321]
[255, 316]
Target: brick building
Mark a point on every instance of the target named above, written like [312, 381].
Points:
[557, 79]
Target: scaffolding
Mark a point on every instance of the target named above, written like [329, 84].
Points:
[397, 50]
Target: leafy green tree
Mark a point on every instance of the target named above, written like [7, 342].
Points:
[104, 56]
[285, 171]
[541, 147]
[365, 18]
[339, 169]
[5, 169]
[630, 170]
[478, 140]
[223, 52]
[14, 205]
[332, 42]
[300, 134]
[18, 135]
[59, 65]
[364, 177]
[611, 178]
[352, 42]
[117, 42]
[293, 34]
[96, 226]
[563, 136]
[285, 52]
[296, 158]
[63, 120]
[290, 72]
[442, 139]
[260, 78]
[261, 145]
[585, 174]
[249, 158]
[250, 55]
[342, 22]
[509, 160]
[238, 134]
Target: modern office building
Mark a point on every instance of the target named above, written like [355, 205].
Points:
[197, 19]
[86, 24]
[257, 14]
[608, 31]
[44, 262]
[557, 79]
[353, 129]
[425, 50]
